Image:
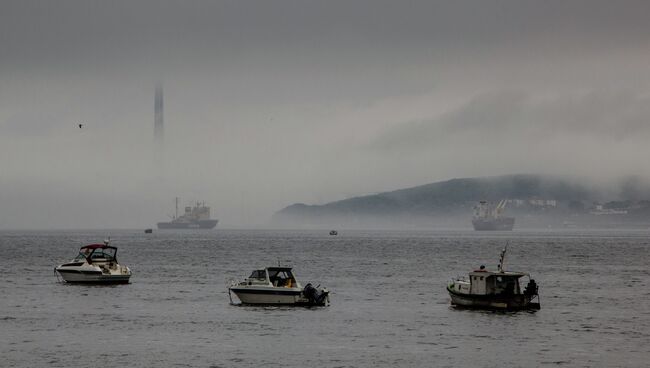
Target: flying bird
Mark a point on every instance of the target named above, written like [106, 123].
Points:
[81, 126]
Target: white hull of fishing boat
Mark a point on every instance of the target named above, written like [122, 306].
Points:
[511, 302]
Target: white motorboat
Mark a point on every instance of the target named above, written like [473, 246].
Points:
[494, 290]
[95, 263]
[278, 285]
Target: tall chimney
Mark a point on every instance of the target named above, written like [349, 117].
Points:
[158, 131]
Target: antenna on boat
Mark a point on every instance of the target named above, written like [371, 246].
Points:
[502, 258]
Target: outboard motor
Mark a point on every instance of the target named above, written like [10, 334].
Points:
[531, 288]
[314, 295]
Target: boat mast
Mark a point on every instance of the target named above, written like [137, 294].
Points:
[502, 259]
[176, 200]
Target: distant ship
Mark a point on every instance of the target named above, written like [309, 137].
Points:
[196, 217]
[488, 218]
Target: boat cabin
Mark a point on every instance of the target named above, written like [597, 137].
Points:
[276, 276]
[494, 283]
[97, 253]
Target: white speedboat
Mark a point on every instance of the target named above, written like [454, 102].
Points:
[494, 290]
[95, 263]
[277, 285]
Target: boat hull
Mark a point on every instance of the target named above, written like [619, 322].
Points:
[493, 302]
[200, 224]
[271, 296]
[498, 224]
[92, 277]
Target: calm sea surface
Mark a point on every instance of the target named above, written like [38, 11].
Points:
[389, 307]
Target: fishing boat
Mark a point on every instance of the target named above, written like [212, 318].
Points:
[498, 289]
[277, 286]
[97, 264]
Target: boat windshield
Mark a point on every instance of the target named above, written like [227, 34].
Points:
[258, 274]
[81, 256]
[282, 278]
[103, 253]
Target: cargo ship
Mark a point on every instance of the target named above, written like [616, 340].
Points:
[487, 217]
[195, 217]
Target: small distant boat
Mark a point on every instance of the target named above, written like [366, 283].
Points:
[277, 286]
[148, 231]
[334, 232]
[494, 290]
[95, 263]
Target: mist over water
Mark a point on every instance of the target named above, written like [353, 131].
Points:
[270, 104]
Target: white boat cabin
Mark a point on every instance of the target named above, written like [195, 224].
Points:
[273, 276]
[490, 283]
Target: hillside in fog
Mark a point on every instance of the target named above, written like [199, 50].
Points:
[535, 199]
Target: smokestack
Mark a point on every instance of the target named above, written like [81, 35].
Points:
[158, 131]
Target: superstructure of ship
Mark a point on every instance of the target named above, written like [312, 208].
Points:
[195, 217]
[488, 217]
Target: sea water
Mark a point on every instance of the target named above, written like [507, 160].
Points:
[389, 306]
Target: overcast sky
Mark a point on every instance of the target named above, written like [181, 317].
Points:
[268, 103]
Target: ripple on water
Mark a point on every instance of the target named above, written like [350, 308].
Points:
[389, 305]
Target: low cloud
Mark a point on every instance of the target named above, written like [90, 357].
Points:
[271, 103]
[496, 117]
